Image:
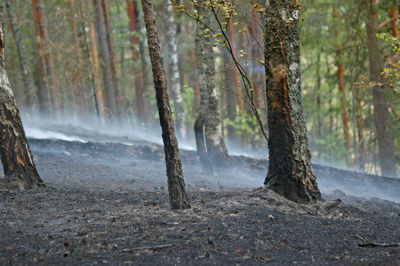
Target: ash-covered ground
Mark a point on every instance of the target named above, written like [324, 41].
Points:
[106, 202]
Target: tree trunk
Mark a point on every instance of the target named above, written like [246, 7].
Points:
[238, 90]
[78, 68]
[136, 55]
[173, 70]
[96, 69]
[289, 173]
[23, 58]
[45, 104]
[105, 59]
[339, 75]
[111, 51]
[209, 112]
[383, 122]
[48, 59]
[176, 184]
[395, 32]
[16, 157]
[360, 130]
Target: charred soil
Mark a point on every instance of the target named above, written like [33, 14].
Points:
[107, 203]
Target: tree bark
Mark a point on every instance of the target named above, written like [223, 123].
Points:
[176, 184]
[23, 58]
[383, 122]
[395, 31]
[209, 112]
[289, 173]
[16, 157]
[105, 59]
[173, 70]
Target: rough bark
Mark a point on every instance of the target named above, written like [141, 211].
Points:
[173, 70]
[209, 112]
[22, 56]
[176, 184]
[111, 102]
[136, 55]
[383, 122]
[16, 157]
[289, 173]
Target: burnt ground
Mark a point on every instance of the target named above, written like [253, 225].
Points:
[106, 202]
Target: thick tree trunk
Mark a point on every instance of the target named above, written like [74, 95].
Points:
[16, 157]
[23, 58]
[173, 70]
[111, 102]
[289, 173]
[379, 92]
[209, 112]
[176, 184]
[395, 31]
[136, 55]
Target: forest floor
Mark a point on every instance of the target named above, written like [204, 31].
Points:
[106, 202]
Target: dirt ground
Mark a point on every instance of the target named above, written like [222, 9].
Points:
[106, 202]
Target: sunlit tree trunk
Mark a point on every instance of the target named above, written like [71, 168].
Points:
[105, 60]
[23, 58]
[173, 70]
[289, 173]
[16, 157]
[383, 122]
[176, 184]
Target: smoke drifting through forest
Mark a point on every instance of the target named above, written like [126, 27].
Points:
[329, 180]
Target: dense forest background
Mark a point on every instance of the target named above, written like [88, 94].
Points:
[63, 48]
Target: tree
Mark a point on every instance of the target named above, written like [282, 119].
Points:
[16, 157]
[173, 70]
[176, 184]
[111, 101]
[22, 55]
[208, 123]
[45, 52]
[289, 173]
[137, 49]
[383, 122]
